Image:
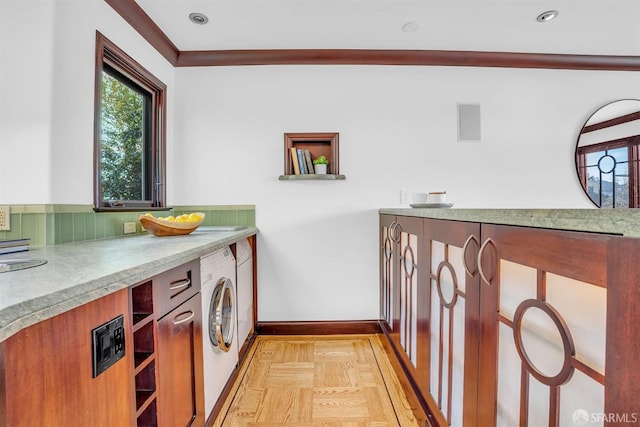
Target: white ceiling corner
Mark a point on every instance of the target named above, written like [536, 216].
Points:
[599, 27]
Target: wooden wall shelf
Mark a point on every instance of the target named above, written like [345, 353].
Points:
[310, 177]
[318, 144]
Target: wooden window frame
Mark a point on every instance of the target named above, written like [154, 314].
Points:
[111, 56]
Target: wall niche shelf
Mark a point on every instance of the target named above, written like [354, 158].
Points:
[312, 176]
[310, 145]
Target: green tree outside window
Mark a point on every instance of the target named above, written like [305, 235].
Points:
[122, 141]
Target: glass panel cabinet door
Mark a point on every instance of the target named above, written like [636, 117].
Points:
[410, 276]
[448, 316]
[543, 327]
[399, 282]
[388, 267]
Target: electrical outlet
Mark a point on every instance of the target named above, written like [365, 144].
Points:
[129, 227]
[5, 218]
[404, 197]
[108, 344]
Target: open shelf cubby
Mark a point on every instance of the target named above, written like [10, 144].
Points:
[319, 144]
[144, 352]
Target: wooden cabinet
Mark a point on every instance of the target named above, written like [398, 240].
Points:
[175, 286]
[46, 376]
[167, 346]
[144, 353]
[47, 369]
[180, 374]
[411, 277]
[449, 317]
[521, 326]
[556, 324]
[158, 382]
[400, 279]
[181, 396]
[389, 268]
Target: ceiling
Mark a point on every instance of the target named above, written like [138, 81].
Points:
[589, 27]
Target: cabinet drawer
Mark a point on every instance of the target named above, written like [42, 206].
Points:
[175, 286]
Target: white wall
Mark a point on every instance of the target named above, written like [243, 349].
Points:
[47, 96]
[318, 251]
[318, 244]
[26, 62]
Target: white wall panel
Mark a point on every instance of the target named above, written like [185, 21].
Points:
[26, 88]
[397, 131]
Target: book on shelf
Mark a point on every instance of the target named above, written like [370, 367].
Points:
[13, 249]
[14, 245]
[294, 160]
[308, 161]
[303, 168]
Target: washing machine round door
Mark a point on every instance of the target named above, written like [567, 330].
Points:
[221, 315]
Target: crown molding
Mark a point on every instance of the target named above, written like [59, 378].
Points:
[406, 57]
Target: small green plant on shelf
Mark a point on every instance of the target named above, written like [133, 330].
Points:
[320, 165]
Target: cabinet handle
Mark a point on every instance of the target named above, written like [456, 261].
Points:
[389, 235]
[480, 253]
[179, 284]
[464, 253]
[396, 238]
[392, 231]
[188, 315]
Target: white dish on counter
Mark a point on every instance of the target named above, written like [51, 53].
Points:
[431, 205]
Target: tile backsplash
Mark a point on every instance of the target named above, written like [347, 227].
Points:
[54, 224]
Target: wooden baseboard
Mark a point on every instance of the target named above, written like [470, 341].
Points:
[319, 328]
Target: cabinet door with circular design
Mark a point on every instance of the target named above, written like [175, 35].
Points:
[448, 316]
[388, 267]
[543, 336]
[410, 278]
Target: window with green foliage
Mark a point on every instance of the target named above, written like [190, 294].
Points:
[129, 132]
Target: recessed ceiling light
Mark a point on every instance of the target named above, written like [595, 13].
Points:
[198, 18]
[547, 16]
[411, 27]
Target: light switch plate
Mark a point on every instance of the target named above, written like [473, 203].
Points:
[5, 218]
[404, 197]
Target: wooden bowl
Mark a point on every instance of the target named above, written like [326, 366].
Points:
[162, 227]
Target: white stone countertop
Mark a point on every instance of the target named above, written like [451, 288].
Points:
[625, 222]
[78, 273]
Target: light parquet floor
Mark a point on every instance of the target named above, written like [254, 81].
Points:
[317, 381]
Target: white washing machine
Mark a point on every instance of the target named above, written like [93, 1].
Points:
[220, 355]
[244, 289]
